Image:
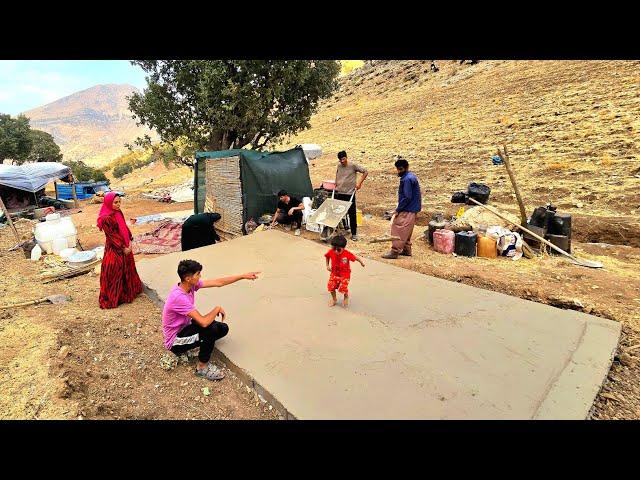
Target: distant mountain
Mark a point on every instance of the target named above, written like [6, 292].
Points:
[91, 125]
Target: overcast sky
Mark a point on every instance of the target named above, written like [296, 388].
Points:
[26, 84]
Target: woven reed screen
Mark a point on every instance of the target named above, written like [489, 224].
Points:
[224, 193]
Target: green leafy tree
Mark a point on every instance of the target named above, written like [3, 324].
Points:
[84, 173]
[44, 148]
[15, 138]
[222, 104]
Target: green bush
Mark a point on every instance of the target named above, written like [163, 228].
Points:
[122, 169]
[85, 173]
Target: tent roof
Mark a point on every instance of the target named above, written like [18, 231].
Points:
[32, 177]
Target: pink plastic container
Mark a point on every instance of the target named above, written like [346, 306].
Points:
[444, 241]
[329, 185]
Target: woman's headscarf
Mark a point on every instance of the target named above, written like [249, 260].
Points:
[107, 209]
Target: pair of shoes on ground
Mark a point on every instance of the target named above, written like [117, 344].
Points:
[210, 372]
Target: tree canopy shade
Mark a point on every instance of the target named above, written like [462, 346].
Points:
[15, 138]
[44, 148]
[225, 104]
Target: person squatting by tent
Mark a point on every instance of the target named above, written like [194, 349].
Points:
[289, 211]
[119, 280]
[347, 184]
[404, 217]
[198, 231]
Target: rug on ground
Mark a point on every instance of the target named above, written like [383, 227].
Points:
[165, 238]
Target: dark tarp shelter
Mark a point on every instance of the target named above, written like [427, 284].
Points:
[243, 184]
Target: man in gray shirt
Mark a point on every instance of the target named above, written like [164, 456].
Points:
[346, 184]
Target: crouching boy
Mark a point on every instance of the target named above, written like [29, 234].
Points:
[185, 328]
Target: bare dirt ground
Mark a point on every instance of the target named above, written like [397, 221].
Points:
[78, 361]
[571, 129]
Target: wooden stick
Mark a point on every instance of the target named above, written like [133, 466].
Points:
[507, 163]
[383, 239]
[73, 192]
[9, 221]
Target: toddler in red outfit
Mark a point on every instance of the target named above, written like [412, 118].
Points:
[340, 269]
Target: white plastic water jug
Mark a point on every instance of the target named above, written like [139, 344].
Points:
[45, 232]
[59, 244]
[36, 253]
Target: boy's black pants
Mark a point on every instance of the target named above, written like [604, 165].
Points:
[193, 335]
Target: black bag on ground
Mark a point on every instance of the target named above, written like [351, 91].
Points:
[479, 192]
[459, 197]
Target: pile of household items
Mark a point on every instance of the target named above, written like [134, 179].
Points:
[477, 231]
[56, 237]
[22, 189]
[176, 193]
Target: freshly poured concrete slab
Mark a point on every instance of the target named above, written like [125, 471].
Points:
[410, 346]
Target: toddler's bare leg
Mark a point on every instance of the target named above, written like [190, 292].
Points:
[345, 300]
[333, 300]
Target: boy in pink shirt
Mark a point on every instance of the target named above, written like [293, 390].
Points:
[184, 327]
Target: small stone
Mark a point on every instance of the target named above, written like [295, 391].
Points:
[63, 352]
[88, 334]
[206, 392]
[627, 360]
[579, 204]
[270, 407]
[578, 303]
[104, 375]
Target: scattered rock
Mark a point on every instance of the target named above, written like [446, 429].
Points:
[63, 352]
[206, 392]
[627, 360]
[578, 303]
[104, 375]
[168, 361]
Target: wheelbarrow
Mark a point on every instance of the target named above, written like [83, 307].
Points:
[330, 214]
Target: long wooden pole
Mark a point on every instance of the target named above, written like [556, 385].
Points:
[507, 163]
[9, 221]
[73, 192]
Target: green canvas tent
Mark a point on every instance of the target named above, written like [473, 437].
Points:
[243, 184]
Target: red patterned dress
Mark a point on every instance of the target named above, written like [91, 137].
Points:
[119, 280]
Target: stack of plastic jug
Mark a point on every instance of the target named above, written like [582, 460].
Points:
[56, 234]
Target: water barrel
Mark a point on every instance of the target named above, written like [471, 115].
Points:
[487, 247]
[561, 225]
[444, 241]
[466, 243]
[560, 241]
[549, 214]
[539, 217]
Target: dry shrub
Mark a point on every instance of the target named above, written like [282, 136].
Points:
[558, 166]
[607, 160]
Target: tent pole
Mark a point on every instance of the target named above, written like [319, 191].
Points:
[9, 221]
[73, 191]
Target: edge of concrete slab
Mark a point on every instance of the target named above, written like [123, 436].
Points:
[238, 371]
[565, 393]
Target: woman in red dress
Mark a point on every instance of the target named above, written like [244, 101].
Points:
[119, 280]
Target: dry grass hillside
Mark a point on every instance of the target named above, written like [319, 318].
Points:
[92, 125]
[571, 128]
